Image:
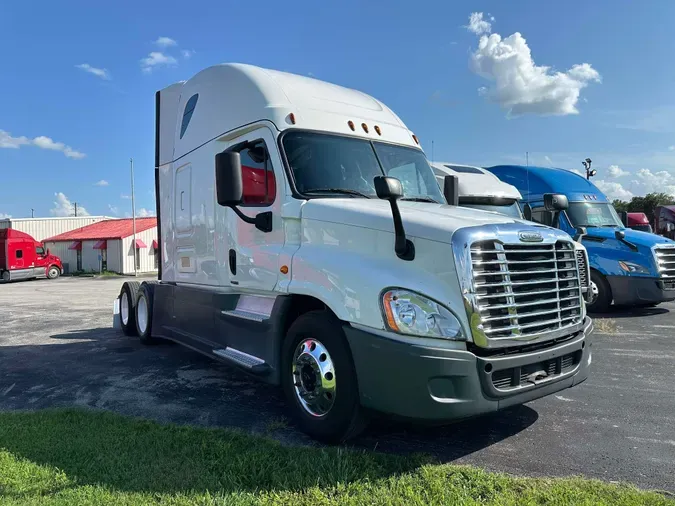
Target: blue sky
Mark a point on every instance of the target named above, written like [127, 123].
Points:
[77, 103]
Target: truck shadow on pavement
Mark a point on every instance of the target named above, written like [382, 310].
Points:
[102, 369]
[630, 312]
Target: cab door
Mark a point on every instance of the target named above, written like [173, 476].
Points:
[253, 256]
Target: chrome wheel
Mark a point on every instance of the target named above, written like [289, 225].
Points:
[594, 294]
[142, 314]
[124, 308]
[314, 377]
[53, 273]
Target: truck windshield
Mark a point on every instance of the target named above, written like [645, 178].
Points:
[507, 207]
[586, 214]
[643, 228]
[324, 164]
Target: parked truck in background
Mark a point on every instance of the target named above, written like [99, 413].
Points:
[350, 281]
[22, 257]
[628, 267]
[664, 221]
[635, 221]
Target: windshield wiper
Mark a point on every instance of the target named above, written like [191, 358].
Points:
[420, 198]
[345, 191]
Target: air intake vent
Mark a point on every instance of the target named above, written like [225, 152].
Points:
[583, 268]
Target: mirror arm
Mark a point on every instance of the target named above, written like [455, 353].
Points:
[403, 247]
[262, 221]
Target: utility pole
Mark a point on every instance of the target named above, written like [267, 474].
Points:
[75, 209]
[527, 158]
[133, 215]
[32, 212]
[587, 165]
[432, 151]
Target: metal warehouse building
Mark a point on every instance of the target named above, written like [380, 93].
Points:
[41, 228]
[109, 246]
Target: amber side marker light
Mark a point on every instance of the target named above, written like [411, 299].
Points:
[415, 139]
[377, 129]
[291, 118]
[365, 127]
[284, 269]
[351, 125]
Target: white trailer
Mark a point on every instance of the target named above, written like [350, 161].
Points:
[304, 240]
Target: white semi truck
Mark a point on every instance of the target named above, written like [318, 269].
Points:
[304, 240]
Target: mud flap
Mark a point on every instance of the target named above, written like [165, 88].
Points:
[116, 314]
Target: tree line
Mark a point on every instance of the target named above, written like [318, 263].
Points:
[645, 204]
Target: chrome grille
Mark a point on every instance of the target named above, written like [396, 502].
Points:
[582, 263]
[665, 260]
[524, 290]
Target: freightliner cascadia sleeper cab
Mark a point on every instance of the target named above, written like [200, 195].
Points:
[304, 239]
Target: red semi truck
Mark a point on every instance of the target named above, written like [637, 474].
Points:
[22, 257]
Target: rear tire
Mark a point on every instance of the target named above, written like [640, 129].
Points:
[128, 296]
[53, 272]
[6, 277]
[604, 295]
[144, 305]
[321, 384]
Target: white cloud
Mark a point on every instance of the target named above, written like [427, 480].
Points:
[4, 216]
[613, 190]
[64, 207]
[187, 53]
[478, 25]
[155, 60]
[616, 171]
[548, 160]
[9, 142]
[102, 182]
[145, 213]
[519, 85]
[165, 42]
[661, 181]
[43, 142]
[671, 148]
[114, 209]
[102, 73]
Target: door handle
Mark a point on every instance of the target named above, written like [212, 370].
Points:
[181, 201]
[233, 262]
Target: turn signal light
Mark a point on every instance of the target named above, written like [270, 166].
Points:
[284, 269]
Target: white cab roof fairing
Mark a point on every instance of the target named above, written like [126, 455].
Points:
[232, 95]
[475, 181]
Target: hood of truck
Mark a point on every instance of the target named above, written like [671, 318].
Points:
[635, 236]
[426, 220]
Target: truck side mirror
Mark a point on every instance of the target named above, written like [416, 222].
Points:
[527, 211]
[624, 218]
[555, 202]
[230, 189]
[229, 184]
[451, 190]
[390, 188]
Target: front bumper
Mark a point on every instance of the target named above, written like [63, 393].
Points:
[630, 290]
[439, 384]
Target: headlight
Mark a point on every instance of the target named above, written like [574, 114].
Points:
[631, 267]
[410, 313]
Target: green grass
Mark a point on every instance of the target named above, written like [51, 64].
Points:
[76, 457]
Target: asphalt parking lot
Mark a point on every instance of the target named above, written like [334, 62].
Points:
[58, 348]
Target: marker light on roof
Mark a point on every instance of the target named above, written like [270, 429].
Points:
[365, 127]
[415, 139]
[351, 125]
[377, 129]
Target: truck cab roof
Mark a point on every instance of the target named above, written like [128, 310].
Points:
[222, 98]
[536, 181]
[475, 181]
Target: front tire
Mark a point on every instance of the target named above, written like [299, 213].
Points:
[602, 293]
[144, 305]
[53, 272]
[128, 296]
[319, 379]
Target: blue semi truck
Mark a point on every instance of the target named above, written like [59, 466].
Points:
[628, 267]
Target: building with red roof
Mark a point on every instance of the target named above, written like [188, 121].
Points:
[109, 245]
